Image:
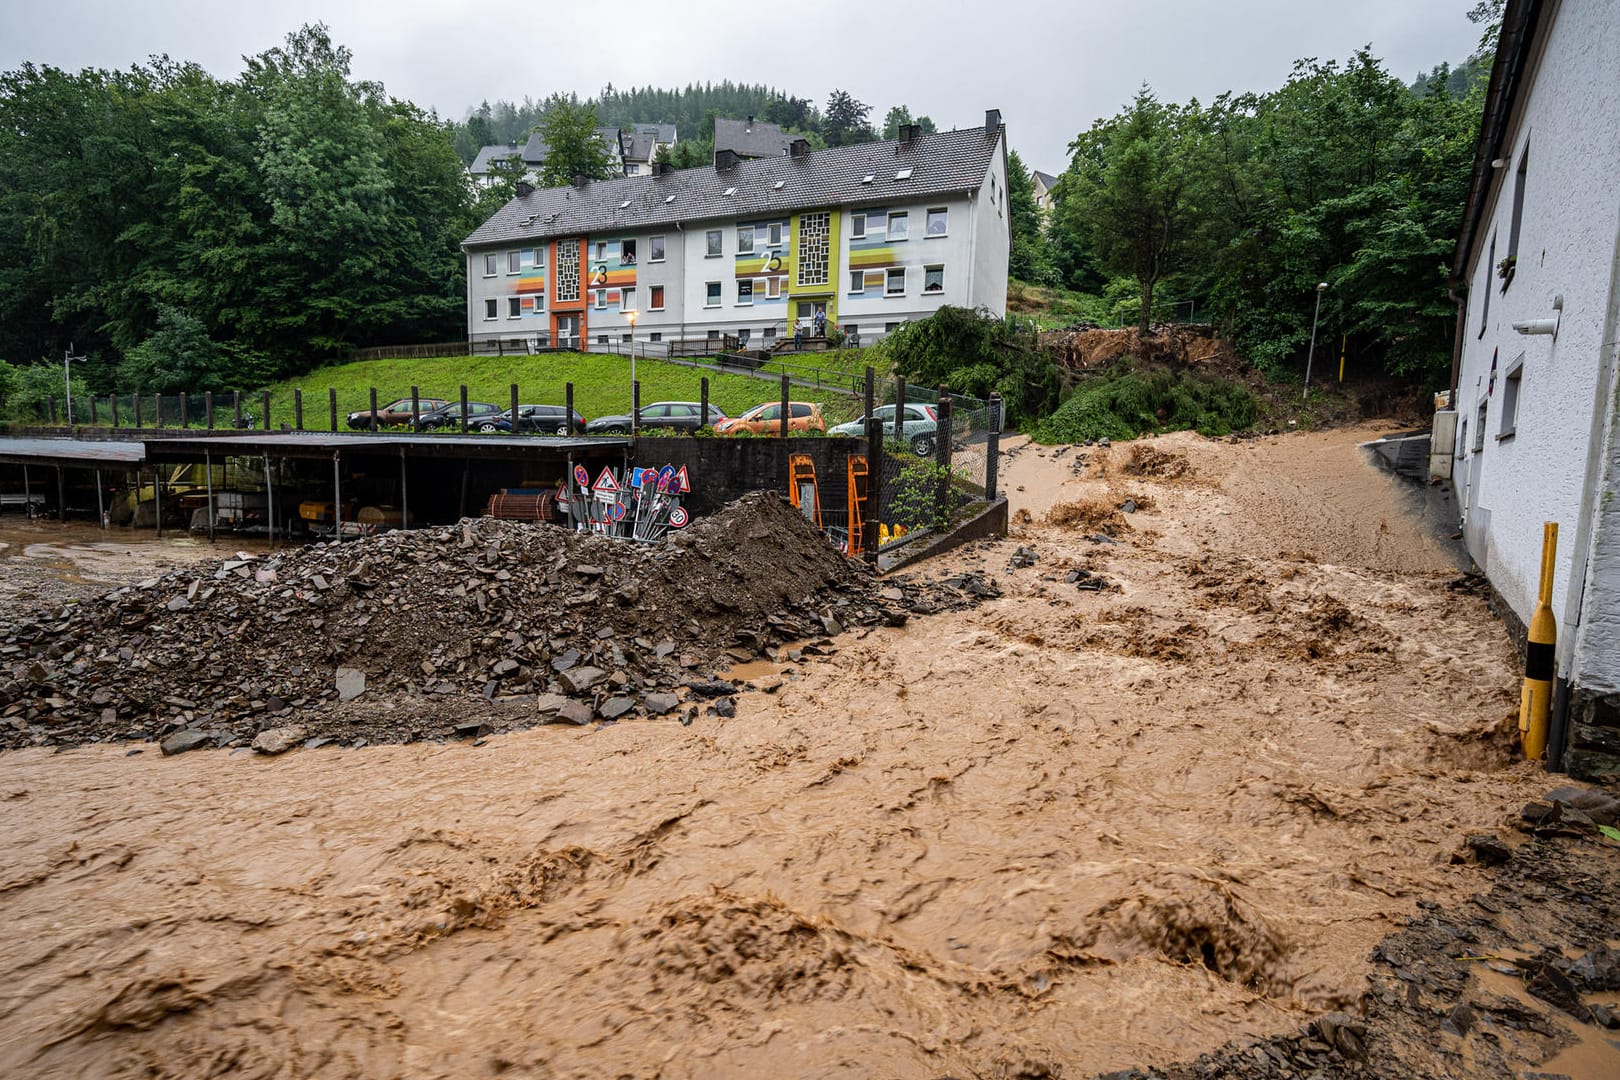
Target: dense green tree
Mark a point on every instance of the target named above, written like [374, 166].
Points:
[1131, 189]
[844, 122]
[973, 352]
[1029, 259]
[573, 147]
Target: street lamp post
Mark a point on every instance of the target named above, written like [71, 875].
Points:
[1321, 287]
[630, 316]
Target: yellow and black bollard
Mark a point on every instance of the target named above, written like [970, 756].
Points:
[1536, 699]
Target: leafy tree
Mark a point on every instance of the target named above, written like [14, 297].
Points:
[572, 146]
[178, 356]
[1131, 190]
[973, 352]
[845, 120]
[1029, 259]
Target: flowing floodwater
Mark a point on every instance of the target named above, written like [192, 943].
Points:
[1066, 832]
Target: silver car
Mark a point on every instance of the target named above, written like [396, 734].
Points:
[918, 426]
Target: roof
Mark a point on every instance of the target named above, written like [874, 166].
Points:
[318, 444]
[535, 150]
[490, 154]
[1521, 21]
[947, 162]
[71, 452]
[1047, 180]
[640, 143]
[750, 138]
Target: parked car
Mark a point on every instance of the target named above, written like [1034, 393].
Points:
[449, 415]
[397, 412]
[542, 419]
[917, 427]
[682, 415]
[766, 419]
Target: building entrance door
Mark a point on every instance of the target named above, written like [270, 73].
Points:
[567, 331]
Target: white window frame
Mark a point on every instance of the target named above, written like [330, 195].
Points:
[944, 213]
[622, 249]
[774, 235]
[713, 293]
[656, 293]
[747, 230]
[747, 283]
[601, 251]
[888, 278]
[492, 265]
[539, 258]
[514, 262]
[514, 307]
[714, 241]
[905, 227]
[857, 282]
[539, 304]
[599, 302]
[773, 288]
[936, 269]
[857, 226]
[492, 309]
[627, 298]
[655, 249]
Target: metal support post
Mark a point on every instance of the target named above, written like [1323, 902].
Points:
[785, 406]
[213, 511]
[992, 447]
[404, 493]
[635, 407]
[266, 401]
[331, 404]
[61, 497]
[900, 408]
[942, 458]
[463, 414]
[269, 503]
[337, 495]
[416, 408]
[298, 409]
[373, 420]
[568, 405]
[703, 402]
[157, 497]
[516, 426]
[101, 504]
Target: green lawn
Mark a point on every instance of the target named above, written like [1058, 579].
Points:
[601, 385]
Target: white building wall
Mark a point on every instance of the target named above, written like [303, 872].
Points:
[872, 309]
[1570, 124]
[992, 237]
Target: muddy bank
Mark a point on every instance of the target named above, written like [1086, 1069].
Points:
[1071, 831]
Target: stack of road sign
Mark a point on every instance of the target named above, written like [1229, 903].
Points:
[640, 503]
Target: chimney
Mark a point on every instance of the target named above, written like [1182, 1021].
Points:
[662, 168]
[908, 134]
[725, 160]
[524, 188]
[992, 121]
[580, 180]
[799, 149]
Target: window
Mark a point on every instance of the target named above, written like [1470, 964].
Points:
[773, 288]
[655, 248]
[492, 309]
[898, 224]
[857, 226]
[491, 265]
[745, 239]
[936, 222]
[539, 258]
[715, 243]
[601, 299]
[514, 307]
[745, 293]
[601, 339]
[714, 335]
[601, 251]
[933, 279]
[890, 327]
[656, 336]
[775, 234]
[1462, 439]
[1518, 219]
[770, 333]
[514, 262]
[1479, 425]
[627, 299]
[851, 331]
[797, 409]
[743, 336]
[539, 302]
[627, 253]
[895, 283]
[655, 299]
[1510, 399]
[625, 337]
[857, 281]
[712, 299]
[1485, 289]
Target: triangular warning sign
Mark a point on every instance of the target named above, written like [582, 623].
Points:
[606, 483]
[683, 484]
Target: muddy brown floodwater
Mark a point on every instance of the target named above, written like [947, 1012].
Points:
[45, 563]
[1066, 832]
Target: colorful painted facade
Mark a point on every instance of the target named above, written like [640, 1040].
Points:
[867, 237]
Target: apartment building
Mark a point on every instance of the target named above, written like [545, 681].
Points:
[870, 236]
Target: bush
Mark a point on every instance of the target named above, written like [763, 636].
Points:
[1126, 402]
[974, 352]
[29, 389]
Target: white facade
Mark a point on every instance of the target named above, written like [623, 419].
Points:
[1537, 412]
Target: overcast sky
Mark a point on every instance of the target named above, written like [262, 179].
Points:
[1051, 68]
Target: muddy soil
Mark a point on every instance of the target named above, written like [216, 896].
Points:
[1071, 831]
[46, 563]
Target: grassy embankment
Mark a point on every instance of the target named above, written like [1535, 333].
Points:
[601, 385]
